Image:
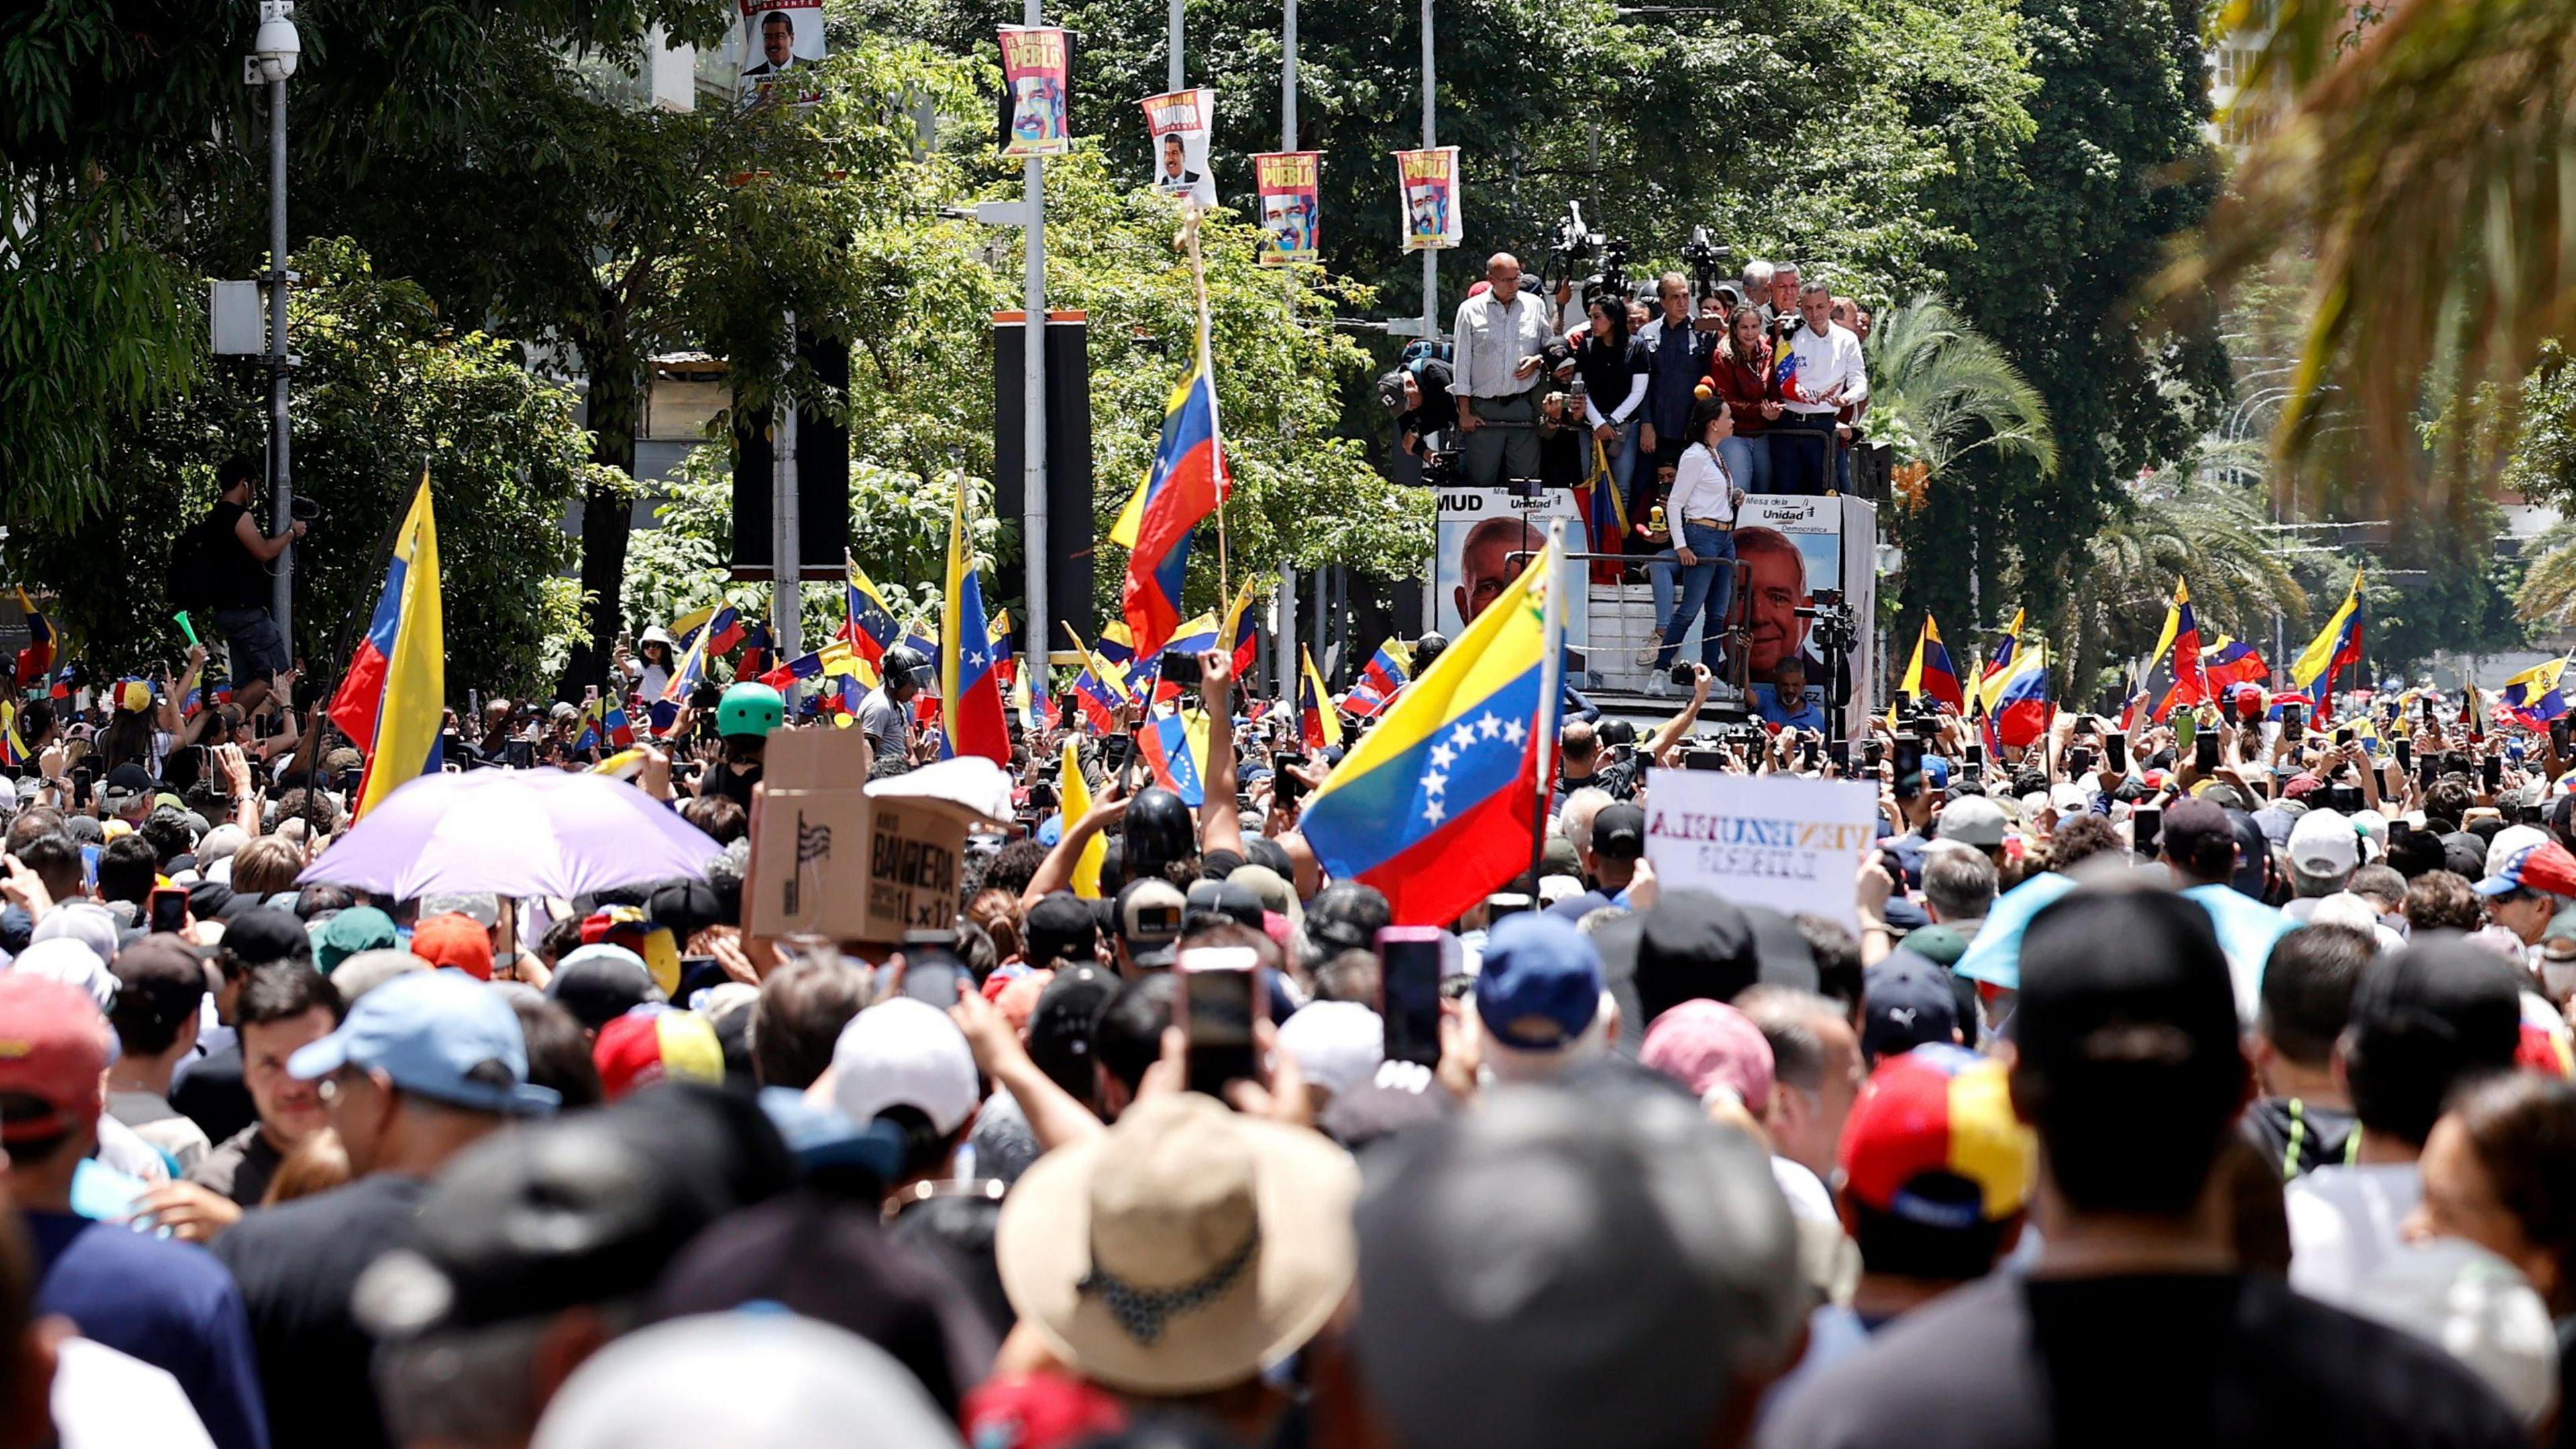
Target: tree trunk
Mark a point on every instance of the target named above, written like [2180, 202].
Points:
[616, 410]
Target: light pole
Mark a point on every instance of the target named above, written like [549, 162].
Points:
[274, 52]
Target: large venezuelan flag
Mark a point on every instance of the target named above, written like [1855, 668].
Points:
[1174, 748]
[1319, 724]
[395, 692]
[2023, 708]
[1999, 665]
[1929, 674]
[1435, 806]
[970, 690]
[1243, 627]
[1188, 481]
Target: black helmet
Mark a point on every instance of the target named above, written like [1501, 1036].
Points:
[903, 665]
[1426, 649]
[1157, 832]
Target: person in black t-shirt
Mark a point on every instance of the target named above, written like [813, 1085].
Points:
[240, 555]
[2137, 1325]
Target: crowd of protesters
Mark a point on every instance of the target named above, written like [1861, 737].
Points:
[2163, 1094]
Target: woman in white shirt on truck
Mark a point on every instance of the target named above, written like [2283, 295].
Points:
[1702, 512]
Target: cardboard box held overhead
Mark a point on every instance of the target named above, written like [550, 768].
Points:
[828, 859]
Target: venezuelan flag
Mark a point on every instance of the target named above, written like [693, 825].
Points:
[37, 659]
[2173, 674]
[2534, 697]
[621, 733]
[394, 694]
[1188, 481]
[1174, 747]
[1073, 794]
[759, 656]
[2023, 708]
[1928, 674]
[1198, 636]
[1605, 515]
[1006, 665]
[2335, 646]
[1435, 806]
[1318, 722]
[1243, 626]
[720, 622]
[870, 627]
[13, 750]
[1389, 669]
[2231, 662]
[1999, 664]
[970, 694]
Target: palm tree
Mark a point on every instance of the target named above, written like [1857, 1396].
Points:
[1940, 389]
[2548, 592]
[2188, 521]
[2424, 167]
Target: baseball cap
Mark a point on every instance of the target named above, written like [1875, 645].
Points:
[1150, 946]
[2505, 842]
[54, 1048]
[601, 983]
[454, 940]
[2127, 1015]
[359, 928]
[1704, 1044]
[1060, 1024]
[438, 1036]
[2191, 825]
[1906, 1001]
[1337, 1045]
[2544, 867]
[482, 906]
[1541, 982]
[1693, 943]
[1619, 832]
[2323, 843]
[2301, 785]
[1346, 916]
[1059, 926]
[1933, 1140]
[905, 1053]
[747, 1380]
[160, 980]
[1971, 820]
[1224, 898]
[256, 935]
[654, 1043]
[1940, 945]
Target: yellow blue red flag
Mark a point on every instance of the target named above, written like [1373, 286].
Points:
[394, 696]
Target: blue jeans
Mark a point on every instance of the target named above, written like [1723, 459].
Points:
[1663, 575]
[1748, 461]
[1623, 464]
[1707, 588]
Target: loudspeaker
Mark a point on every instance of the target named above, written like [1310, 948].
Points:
[822, 478]
[1070, 527]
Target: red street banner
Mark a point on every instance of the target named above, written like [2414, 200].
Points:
[1291, 215]
[1035, 65]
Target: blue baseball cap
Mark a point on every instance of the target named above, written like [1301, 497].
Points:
[438, 1035]
[1541, 982]
[1936, 773]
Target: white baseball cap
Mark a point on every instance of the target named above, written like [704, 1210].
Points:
[904, 1053]
[1971, 820]
[1337, 1044]
[2323, 843]
[2509, 841]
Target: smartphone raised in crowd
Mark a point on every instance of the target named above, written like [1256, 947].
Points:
[932, 968]
[169, 910]
[1181, 668]
[2494, 768]
[2405, 754]
[2204, 752]
[2146, 830]
[1909, 767]
[1220, 990]
[1409, 1002]
[2115, 750]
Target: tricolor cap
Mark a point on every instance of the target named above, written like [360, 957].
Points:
[629, 927]
[1933, 1140]
[656, 1043]
[2545, 867]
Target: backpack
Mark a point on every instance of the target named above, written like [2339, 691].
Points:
[193, 579]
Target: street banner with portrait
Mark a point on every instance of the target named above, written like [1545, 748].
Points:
[1795, 548]
[780, 45]
[1780, 841]
[1485, 537]
[1036, 65]
[1427, 187]
[1179, 123]
[1290, 184]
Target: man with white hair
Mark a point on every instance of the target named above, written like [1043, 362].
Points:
[1958, 883]
[1540, 1005]
[1756, 278]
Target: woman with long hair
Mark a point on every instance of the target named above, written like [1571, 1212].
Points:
[1613, 369]
[1739, 371]
[1702, 512]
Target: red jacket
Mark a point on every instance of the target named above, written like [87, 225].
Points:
[1744, 389]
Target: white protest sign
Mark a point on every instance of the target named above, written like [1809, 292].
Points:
[1766, 840]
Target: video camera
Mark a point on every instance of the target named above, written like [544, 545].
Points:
[1705, 260]
[1573, 246]
[1834, 630]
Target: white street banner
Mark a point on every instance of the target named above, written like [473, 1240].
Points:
[1180, 123]
[1764, 840]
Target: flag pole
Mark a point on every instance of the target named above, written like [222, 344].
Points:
[1190, 216]
[1551, 690]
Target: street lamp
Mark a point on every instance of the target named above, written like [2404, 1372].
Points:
[274, 52]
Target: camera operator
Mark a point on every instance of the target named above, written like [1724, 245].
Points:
[1820, 373]
[237, 557]
[1425, 414]
[1501, 335]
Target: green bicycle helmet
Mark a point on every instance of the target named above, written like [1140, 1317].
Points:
[749, 709]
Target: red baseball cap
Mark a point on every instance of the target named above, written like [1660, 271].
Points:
[650, 1044]
[2545, 866]
[454, 939]
[53, 1047]
[1933, 1140]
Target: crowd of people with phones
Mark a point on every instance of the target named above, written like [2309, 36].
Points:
[2196, 1081]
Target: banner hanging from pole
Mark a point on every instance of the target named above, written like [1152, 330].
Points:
[780, 46]
[1428, 183]
[1035, 65]
[1179, 123]
[1289, 184]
